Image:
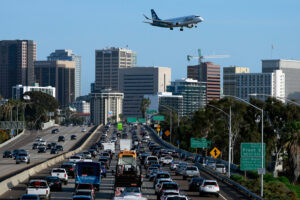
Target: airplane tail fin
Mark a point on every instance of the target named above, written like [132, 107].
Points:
[154, 15]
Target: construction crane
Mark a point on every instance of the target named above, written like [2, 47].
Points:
[200, 57]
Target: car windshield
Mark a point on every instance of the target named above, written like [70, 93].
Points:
[176, 198]
[170, 186]
[220, 166]
[52, 178]
[84, 186]
[38, 184]
[191, 168]
[132, 189]
[210, 183]
[83, 193]
[58, 170]
[163, 176]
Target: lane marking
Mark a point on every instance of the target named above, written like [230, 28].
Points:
[222, 196]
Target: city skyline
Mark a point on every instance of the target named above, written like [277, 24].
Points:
[248, 32]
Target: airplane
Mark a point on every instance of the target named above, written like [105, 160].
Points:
[187, 21]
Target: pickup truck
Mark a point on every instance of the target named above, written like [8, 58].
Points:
[61, 173]
[190, 171]
[39, 187]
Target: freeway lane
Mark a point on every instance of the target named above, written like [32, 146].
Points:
[8, 165]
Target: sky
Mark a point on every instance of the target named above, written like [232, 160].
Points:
[244, 29]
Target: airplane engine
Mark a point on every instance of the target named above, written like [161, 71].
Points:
[190, 25]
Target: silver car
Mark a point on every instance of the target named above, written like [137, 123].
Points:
[23, 157]
[209, 187]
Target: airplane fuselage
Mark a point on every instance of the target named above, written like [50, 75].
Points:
[186, 21]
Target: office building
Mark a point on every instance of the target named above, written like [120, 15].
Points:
[193, 92]
[19, 90]
[291, 69]
[136, 82]
[174, 102]
[261, 83]
[92, 87]
[229, 79]
[16, 64]
[210, 74]
[108, 63]
[81, 106]
[65, 54]
[59, 74]
[106, 105]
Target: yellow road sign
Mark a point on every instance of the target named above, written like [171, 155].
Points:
[167, 133]
[215, 152]
[158, 129]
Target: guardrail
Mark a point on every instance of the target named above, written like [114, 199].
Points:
[11, 182]
[207, 170]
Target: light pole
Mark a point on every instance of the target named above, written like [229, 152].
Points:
[277, 97]
[229, 150]
[262, 138]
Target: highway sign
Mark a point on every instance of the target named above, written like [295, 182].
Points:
[200, 143]
[158, 118]
[142, 120]
[215, 152]
[120, 126]
[251, 156]
[131, 119]
[151, 111]
[167, 133]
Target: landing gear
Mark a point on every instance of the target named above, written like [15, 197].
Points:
[171, 28]
[195, 26]
[181, 29]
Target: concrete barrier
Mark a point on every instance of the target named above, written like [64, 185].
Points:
[11, 139]
[11, 182]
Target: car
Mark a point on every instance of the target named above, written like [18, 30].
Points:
[105, 160]
[211, 164]
[42, 143]
[49, 146]
[103, 169]
[38, 139]
[132, 191]
[149, 170]
[83, 130]
[84, 193]
[84, 187]
[30, 197]
[220, 168]
[82, 197]
[153, 174]
[39, 187]
[56, 130]
[195, 183]
[73, 137]
[53, 151]
[87, 155]
[190, 171]
[75, 158]
[61, 173]
[42, 149]
[170, 187]
[61, 138]
[160, 182]
[69, 167]
[59, 148]
[54, 183]
[209, 187]
[7, 154]
[35, 145]
[166, 160]
[174, 164]
[160, 175]
[93, 152]
[175, 197]
[23, 157]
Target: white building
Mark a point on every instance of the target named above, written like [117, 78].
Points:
[261, 83]
[81, 106]
[19, 90]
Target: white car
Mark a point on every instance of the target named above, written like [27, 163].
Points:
[177, 197]
[87, 155]
[38, 139]
[42, 143]
[160, 181]
[38, 187]
[83, 130]
[75, 158]
[61, 174]
[166, 160]
[220, 168]
[209, 187]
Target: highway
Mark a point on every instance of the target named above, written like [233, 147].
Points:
[9, 166]
[107, 184]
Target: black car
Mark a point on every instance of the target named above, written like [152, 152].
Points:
[42, 150]
[61, 138]
[54, 183]
[195, 183]
[69, 167]
[105, 160]
[35, 146]
[49, 146]
[73, 137]
[54, 151]
[59, 148]
[7, 154]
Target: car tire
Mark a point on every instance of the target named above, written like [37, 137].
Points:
[17, 163]
[217, 195]
[66, 182]
[200, 193]
[184, 177]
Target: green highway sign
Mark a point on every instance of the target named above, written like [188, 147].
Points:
[200, 143]
[142, 120]
[251, 163]
[251, 156]
[131, 119]
[151, 111]
[158, 118]
[120, 126]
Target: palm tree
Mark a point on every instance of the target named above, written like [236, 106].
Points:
[144, 105]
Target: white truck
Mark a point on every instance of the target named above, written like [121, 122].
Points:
[61, 174]
[109, 146]
[39, 187]
[125, 144]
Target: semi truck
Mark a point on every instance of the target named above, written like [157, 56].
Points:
[88, 172]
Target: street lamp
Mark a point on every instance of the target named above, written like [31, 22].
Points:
[262, 138]
[229, 150]
[277, 97]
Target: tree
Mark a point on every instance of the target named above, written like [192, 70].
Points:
[144, 105]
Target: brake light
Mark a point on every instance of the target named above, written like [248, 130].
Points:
[65, 175]
[71, 169]
[56, 182]
[217, 186]
[203, 185]
[46, 191]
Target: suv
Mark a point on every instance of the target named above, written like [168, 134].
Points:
[195, 183]
[167, 187]
[39, 187]
[61, 138]
[190, 171]
[61, 173]
[220, 168]
[209, 187]
[69, 167]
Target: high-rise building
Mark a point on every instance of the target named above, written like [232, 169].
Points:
[105, 105]
[59, 74]
[81, 106]
[229, 79]
[193, 92]
[136, 82]
[261, 83]
[19, 90]
[108, 63]
[210, 74]
[16, 64]
[66, 54]
[174, 102]
[291, 69]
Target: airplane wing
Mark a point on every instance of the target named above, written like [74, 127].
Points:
[164, 22]
[147, 17]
